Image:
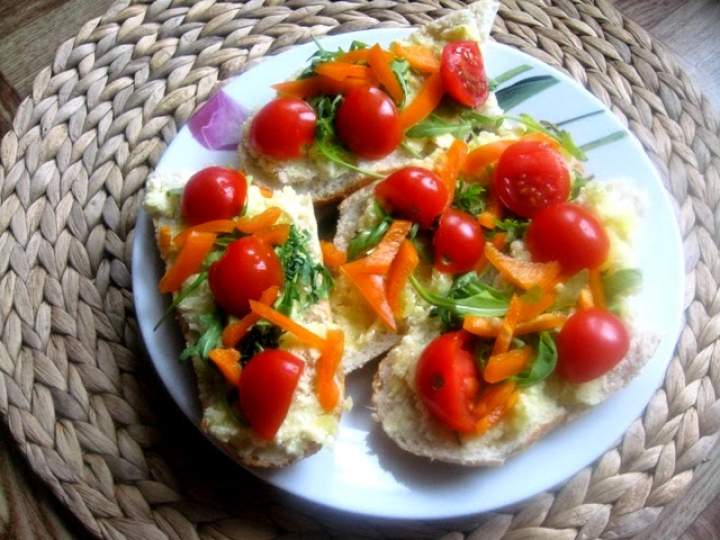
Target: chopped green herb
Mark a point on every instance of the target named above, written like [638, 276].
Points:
[551, 130]
[469, 197]
[210, 339]
[543, 364]
[460, 127]
[182, 295]
[620, 284]
[401, 69]
[579, 181]
[514, 228]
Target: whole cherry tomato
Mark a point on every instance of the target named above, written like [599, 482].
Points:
[414, 193]
[266, 389]
[463, 73]
[569, 234]
[531, 175]
[213, 193]
[247, 268]
[368, 122]
[283, 128]
[448, 381]
[590, 344]
[458, 242]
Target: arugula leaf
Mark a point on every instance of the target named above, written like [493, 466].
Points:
[401, 69]
[469, 197]
[182, 295]
[467, 121]
[261, 336]
[568, 294]
[322, 55]
[507, 75]
[410, 150]
[306, 281]
[467, 296]
[513, 95]
[515, 228]
[543, 364]
[210, 339]
[579, 181]
[619, 284]
[365, 240]
[551, 130]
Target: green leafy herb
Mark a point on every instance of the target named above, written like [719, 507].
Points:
[322, 55]
[551, 130]
[210, 339]
[523, 90]
[619, 284]
[467, 296]
[306, 281]
[507, 75]
[602, 141]
[401, 69]
[459, 127]
[261, 336]
[570, 291]
[469, 197]
[543, 364]
[366, 239]
[513, 227]
[182, 295]
[579, 181]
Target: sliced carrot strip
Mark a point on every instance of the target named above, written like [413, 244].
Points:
[327, 389]
[188, 262]
[319, 85]
[379, 62]
[596, 288]
[356, 56]
[482, 157]
[164, 240]
[304, 335]
[228, 362]
[424, 103]
[275, 235]
[400, 271]
[339, 71]
[450, 165]
[420, 58]
[523, 274]
[372, 289]
[380, 259]
[332, 256]
[507, 326]
[501, 366]
[585, 299]
[235, 331]
[250, 225]
[216, 226]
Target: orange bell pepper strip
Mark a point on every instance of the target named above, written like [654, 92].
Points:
[379, 62]
[495, 403]
[164, 240]
[523, 274]
[532, 307]
[380, 259]
[228, 362]
[488, 327]
[326, 388]
[400, 271]
[425, 102]
[507, 326]
[275, 235]
[188, 261]
[319, 85]
[420, 58]
[450, 165]
[597, 289]
[354, 57]
[585, 299]
[215, 226]
[339, 71]
[482, 157]
[487, 220]
[305, 336]
[372, 289]
[333, 257]
[265, 192]
[250, 225]
[235, 331]
[501, 366]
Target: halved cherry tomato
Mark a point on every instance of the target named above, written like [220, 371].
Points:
[569, 234]
[368, 123]
[283, 128]
[590, 344]
[531, 175]
[247, 268]
[266, 389]
[458, 242]
[213, 193]
[414, 193]
[448, 381]
[463, 73]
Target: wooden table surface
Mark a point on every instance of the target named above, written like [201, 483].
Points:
[31, 30]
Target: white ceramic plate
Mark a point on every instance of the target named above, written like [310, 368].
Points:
[364, 472]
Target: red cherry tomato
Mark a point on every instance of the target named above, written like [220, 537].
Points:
[213, 193]
[463, 73]
[283, 128]
[531, 175]
[415, 194]
[368, 122]
[266, 389]
[590, 344]
[448, 381]
[458, 242]
[247, 268]
[569, 234]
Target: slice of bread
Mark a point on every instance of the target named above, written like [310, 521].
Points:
[306, 427]
[328, 182]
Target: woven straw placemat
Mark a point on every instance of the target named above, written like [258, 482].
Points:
[75, 388]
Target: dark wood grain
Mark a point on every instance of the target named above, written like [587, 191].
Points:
[9, 101]
[14, 15]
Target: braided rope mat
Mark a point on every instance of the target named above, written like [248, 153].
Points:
[75, 388]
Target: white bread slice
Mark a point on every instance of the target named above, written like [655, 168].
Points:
[327, 182]
[307, 427]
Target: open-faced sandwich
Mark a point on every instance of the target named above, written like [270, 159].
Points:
[250, 291]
